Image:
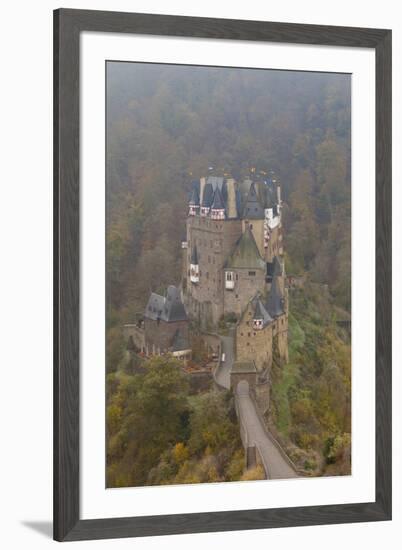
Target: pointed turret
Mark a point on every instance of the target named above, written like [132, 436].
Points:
[261, 317]
[194, 203]
[276, 301]
[218, 206]
[246, 254]
[252, 208]
[207, 198]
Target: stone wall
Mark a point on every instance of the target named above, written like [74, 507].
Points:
[159, 334]
[214, 241]
[247, 282]
[275, 244]
[236, 377]
[137, 333]
[254, 344]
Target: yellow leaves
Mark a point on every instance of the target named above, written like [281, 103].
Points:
[114, 414]
[180, 453]
[253, 474]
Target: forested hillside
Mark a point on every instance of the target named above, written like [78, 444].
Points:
[169, 125]
[166, 125]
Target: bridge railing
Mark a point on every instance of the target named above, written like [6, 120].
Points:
[251, 448]
[272, 438]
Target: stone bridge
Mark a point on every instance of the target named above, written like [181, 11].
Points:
[259, 445]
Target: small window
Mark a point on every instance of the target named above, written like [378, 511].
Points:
[251, 273]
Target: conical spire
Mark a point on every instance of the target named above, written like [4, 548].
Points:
[275, 303]
[218, 203]
[218, 206]
[246, 254]
[195, 197]
[261, 317]
[252, 207]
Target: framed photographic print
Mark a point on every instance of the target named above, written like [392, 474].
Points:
[222, 288]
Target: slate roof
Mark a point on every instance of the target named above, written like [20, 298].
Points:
[195, 197]
[216, 182]
[261, 313]
[208, 195]
[275, 302]
[169, 308]
[274, 267]
[218, 203]
[180, 341]
[246, 254]
[253, 208]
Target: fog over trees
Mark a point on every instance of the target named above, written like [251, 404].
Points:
[169, 125]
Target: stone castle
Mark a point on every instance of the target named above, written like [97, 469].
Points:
[232, 272]
[233, 265]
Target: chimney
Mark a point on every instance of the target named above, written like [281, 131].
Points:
[231, 201]
[202, 185]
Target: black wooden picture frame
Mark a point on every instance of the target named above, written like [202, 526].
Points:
[68, 24]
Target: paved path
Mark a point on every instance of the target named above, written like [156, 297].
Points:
[278, 467]
[222, 375]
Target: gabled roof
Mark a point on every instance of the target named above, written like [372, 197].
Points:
[194, 255]
[169, 308]
[275, 302]
[246, 254]
[261, 313]
[218, 203]
[252, 207]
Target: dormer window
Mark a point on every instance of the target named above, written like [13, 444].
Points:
[257, 324]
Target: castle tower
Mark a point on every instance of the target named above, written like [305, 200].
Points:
[194, 204]
[253, 217]
[218, 207]
[245, 274]
[277, 308]
[212, 235]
